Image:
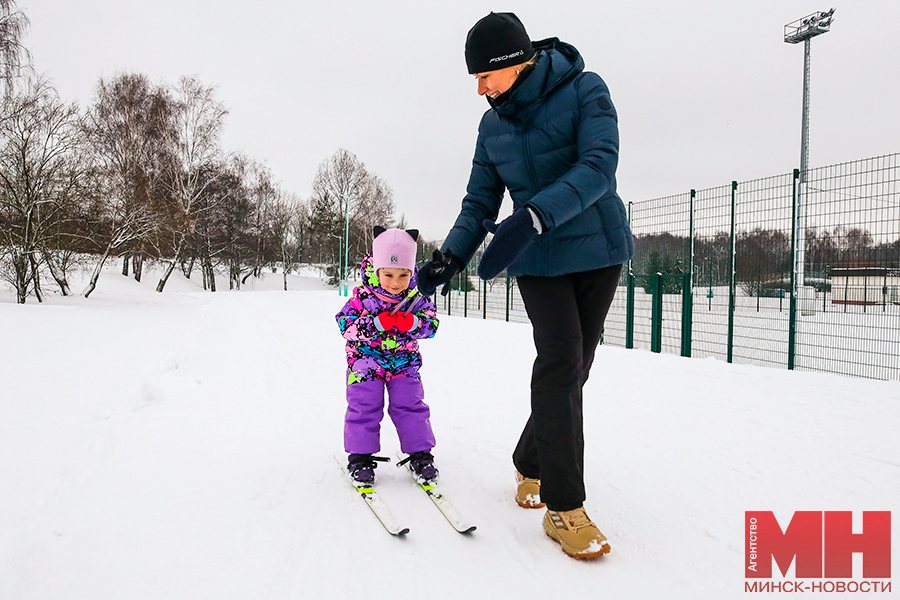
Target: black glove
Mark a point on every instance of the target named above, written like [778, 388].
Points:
[511, 237]
[438, 271]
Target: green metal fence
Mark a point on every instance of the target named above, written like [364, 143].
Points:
[799, 271]
[496, 299]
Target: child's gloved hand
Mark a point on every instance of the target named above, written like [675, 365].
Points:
[406, 321]
[385, 321]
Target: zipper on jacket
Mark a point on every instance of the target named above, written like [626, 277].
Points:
[529, 166]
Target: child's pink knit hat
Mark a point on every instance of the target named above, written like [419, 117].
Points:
[394, 249]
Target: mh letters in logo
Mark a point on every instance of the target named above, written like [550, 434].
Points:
[821, 543]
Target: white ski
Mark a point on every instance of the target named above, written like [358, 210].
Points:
[441, 501]
[377, 505]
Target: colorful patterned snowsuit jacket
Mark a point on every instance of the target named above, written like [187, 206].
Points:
[383, 355]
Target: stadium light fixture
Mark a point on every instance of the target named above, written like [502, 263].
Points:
[804, 30]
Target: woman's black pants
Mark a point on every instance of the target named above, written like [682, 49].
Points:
[567, 314]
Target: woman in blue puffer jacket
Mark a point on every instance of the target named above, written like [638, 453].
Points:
[551, 139]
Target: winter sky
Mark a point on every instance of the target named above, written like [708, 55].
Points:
[707, 92]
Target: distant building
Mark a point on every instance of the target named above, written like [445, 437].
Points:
[865, 285]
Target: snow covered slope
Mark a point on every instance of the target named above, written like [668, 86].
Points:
[179, 446]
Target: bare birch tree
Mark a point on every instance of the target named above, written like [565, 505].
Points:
[289, 223]
[223, 210]
[264, 197]
[376, 207]
[198, 119]
[40, 178]
[343, 189]
[14, 57]
[129, 126]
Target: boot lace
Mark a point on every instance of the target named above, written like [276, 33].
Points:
[578, 519]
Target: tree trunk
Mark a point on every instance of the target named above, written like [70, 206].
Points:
[125, 265]
[137, 265]
[165, 277]
[36, 278]
[20, 265]
[171, 267]
[92, 284]
[209, 276]
[212, 277]
[188, 268]
[58, 274]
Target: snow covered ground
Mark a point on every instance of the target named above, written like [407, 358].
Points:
[179, 446]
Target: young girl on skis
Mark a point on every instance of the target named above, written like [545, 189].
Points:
[382, 324]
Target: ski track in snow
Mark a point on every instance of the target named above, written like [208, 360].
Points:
[179, 445]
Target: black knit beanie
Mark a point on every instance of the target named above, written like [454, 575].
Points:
[497, 41]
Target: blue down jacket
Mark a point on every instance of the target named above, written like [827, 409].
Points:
[554, 144]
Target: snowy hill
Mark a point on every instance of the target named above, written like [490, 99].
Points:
[179, 446]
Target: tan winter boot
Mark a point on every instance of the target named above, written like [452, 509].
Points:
[528, 492]
[576, 532]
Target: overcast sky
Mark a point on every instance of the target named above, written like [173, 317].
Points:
[707, 92]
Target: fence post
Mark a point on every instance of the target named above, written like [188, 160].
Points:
[731, 274]
[687, 305]
[484, 302]
[507, 298]
[629, 302]
[656, 317]
[466, 295]
[687, 315]
[865, 289]
[629, 309]
[792, 318]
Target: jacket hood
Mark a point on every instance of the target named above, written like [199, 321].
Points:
[370, 280]
[557, 62]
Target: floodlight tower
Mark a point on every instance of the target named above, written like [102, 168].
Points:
[804, 30]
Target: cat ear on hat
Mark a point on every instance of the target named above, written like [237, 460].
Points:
[378, 230]
[414, 234]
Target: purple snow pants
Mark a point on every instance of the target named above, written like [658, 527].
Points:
[408, 411]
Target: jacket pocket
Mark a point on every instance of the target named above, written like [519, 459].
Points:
[611, 220]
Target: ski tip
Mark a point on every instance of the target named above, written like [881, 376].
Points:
[401, 532]
[468, 529]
